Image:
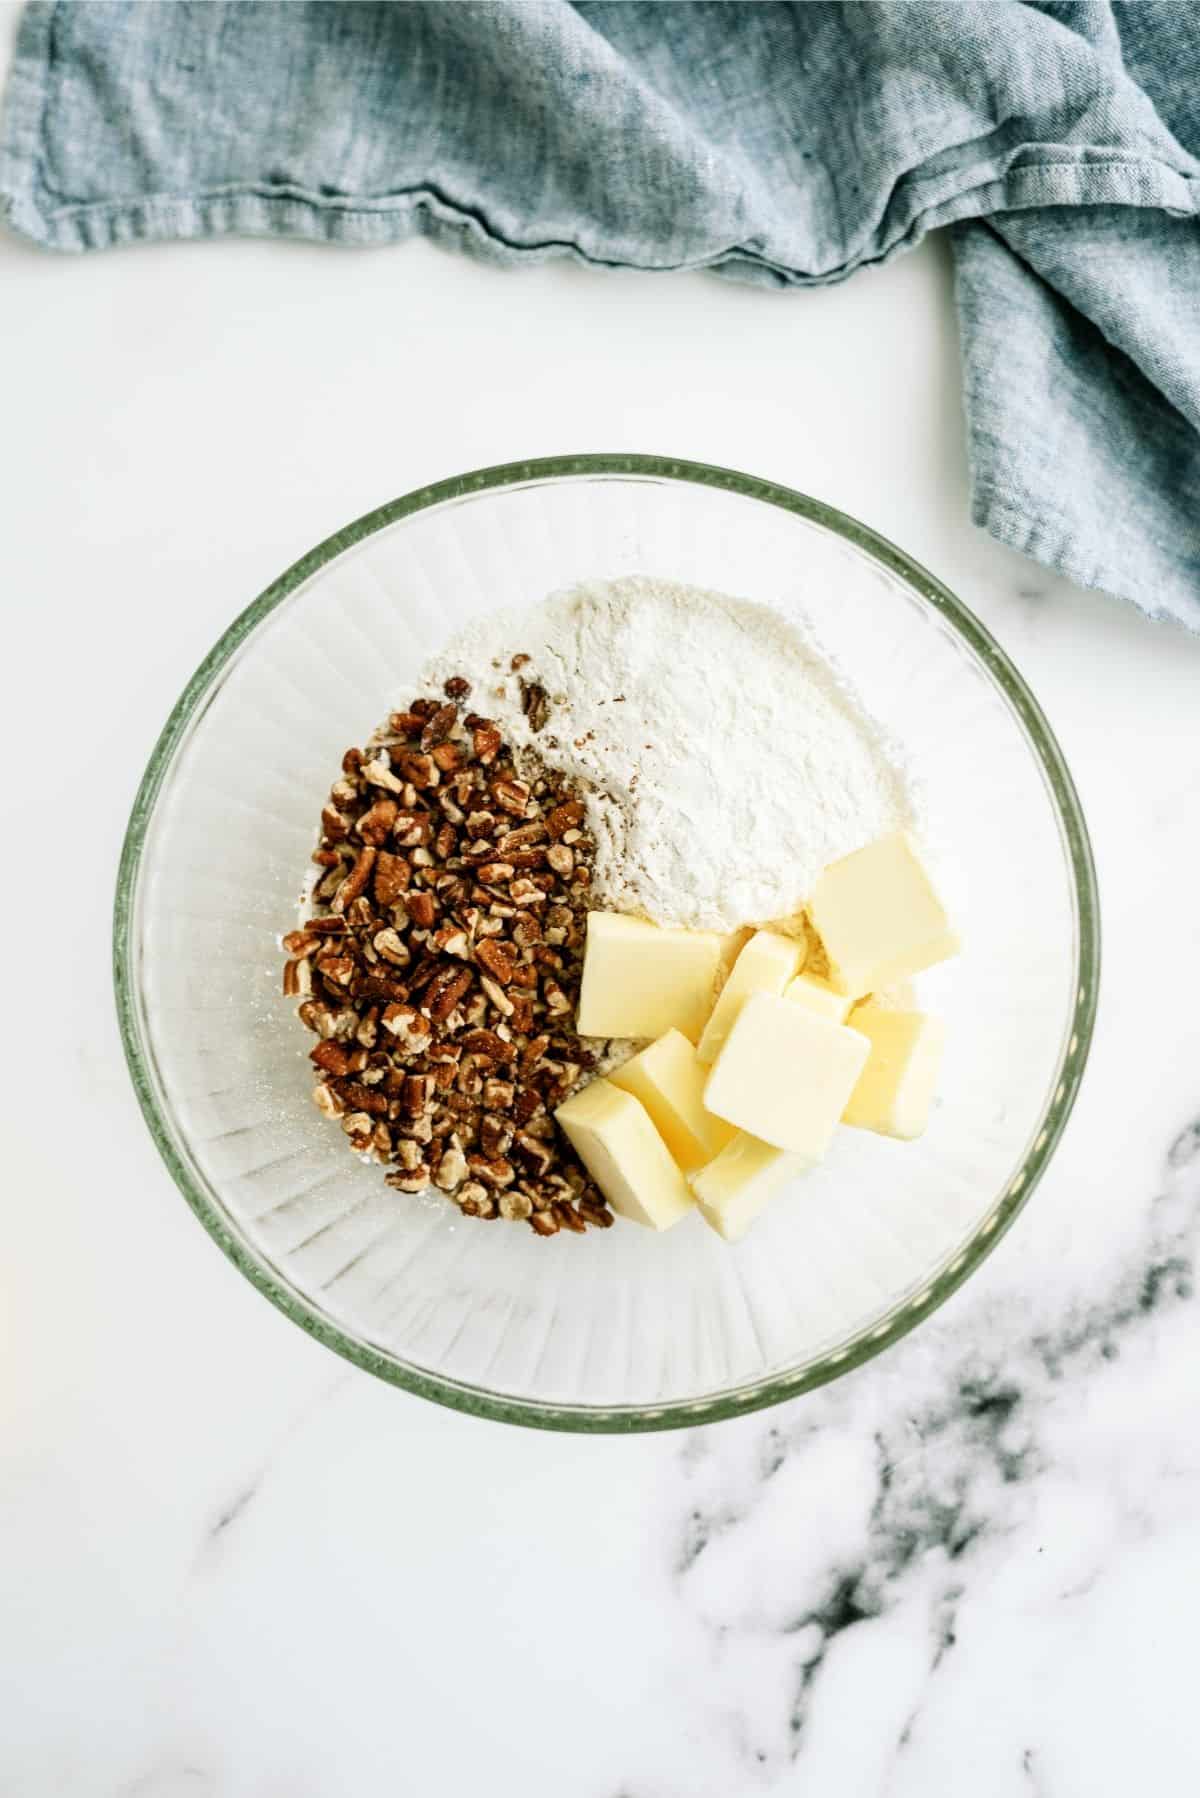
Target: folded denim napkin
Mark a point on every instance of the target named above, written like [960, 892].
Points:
[781, 144]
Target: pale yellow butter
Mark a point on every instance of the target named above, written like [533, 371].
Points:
[668, 1080]
[765, 965]
[639, 980]
[625, 1155]
[786, 1075]
[733, 1188]
[879, 918]
[895, 1089]
[819, 996]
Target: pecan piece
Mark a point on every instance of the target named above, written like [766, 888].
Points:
[494, 1171]
[451, 1170]
[515, 1205]
[297, 979]
[417, 1095]
[485, 741]
[422, 909]
[332, 1058]
[497, 958]
[379, 774]
[449, 757]
[511, 795]
[392, 878]
[412, 829]
[416, 768]
[414, 1179]
[439, 725]
[338, 970]
[407, 1025]
[357, 878]
[564, 817]
[486, 1042]
[362, 1098]
[535, 703]
[375, 825]
[445, 991]
[392, 947]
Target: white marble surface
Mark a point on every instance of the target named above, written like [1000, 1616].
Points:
[232, 1566]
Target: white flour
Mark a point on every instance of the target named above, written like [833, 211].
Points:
[725, 759]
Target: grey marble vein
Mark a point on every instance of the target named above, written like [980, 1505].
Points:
[954, 1457]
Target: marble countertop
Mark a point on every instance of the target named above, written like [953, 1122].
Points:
[231, 1565]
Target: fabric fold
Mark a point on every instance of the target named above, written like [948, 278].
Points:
[786, 145]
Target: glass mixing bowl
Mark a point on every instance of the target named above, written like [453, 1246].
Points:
[624, 1330]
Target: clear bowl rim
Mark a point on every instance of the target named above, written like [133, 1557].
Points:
[504, 1407]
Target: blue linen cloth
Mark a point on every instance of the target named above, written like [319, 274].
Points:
[781, 144]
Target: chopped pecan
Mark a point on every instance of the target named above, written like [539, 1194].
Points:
[409, 1027]
[422, 909]
[412, 829]
[495, 1170]
[486, 741]
[535, 703]
[497, 995]
[332, 1058]
[414, 1179]
[486, 1042]
[495, 1135]
[375, 825]
[416, 767]
[417, 1096]
[379, 774]
[451, 1170]
[337, 969]
[445, 991]
[515, 1205]
[327, 1101]
[360, 1097]
[497, 958]
[439, 725]
[457, 926]
[391, 945]
[297, 978]
[357, 878]
[564, 817]
[393, 876]
[511, 795]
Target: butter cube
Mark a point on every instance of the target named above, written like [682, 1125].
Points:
[879, 917]
[786, 1075]
[639, 980]
[765, 965]
[732, 945]
[733, 1188]
[668, 1080]
[895, 1089]
[625, 1155]
[819, 996]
